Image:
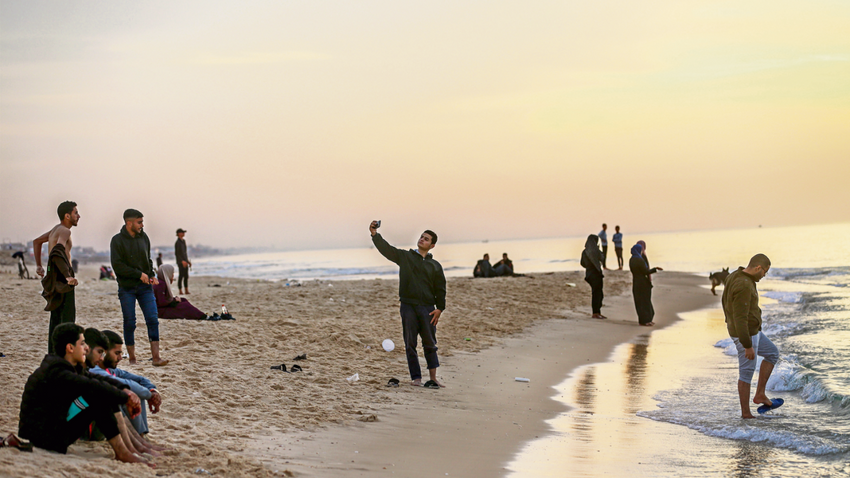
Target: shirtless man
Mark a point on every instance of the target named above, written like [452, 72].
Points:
[62, 305]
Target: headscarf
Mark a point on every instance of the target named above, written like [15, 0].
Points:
[165, 273]
[637, 250]
[591, 249]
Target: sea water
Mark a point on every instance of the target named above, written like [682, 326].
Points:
[666, 404]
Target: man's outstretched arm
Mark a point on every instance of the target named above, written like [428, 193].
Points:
[383, 246]
[36, 250]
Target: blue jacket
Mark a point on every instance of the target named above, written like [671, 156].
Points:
[138, 384]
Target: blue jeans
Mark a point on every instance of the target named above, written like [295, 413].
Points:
[416, 322]
[143, 293]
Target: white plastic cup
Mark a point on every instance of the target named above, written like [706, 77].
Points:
[388, 345]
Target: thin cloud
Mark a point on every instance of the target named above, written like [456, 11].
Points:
[259, 58]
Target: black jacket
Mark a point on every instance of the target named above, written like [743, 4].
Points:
[421, 280]
[131, 257]
[180, 253]
[48, 394]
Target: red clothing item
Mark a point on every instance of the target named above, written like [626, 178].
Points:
[176, 309]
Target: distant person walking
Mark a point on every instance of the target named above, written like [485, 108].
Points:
[642, 286]
[422, 293]
[603, 238]
[59, 283]
[183, 263]
[618, 247]
[130, 252]
[591, 260]
[743, 322]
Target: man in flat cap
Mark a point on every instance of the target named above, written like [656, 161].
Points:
[183, 262]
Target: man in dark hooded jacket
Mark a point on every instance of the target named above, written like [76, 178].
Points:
[61, 399]
[422, 293]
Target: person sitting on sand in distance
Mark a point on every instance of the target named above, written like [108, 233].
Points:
[504, 267]
[642, 286]
[61, 399]
[591, 260]
[422, 293]
[141, 386]
[60, 282]
[168, 306]
[483, 267]
[130, 252]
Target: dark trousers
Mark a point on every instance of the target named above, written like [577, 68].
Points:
[604, 256]
[182, 277]
[416, 322]
[596, 293]
[619, 251]
[89, 408]
[66, 312]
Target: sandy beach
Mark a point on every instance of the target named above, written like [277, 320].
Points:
[225, 411]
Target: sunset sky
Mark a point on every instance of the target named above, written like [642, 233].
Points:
[293, 124]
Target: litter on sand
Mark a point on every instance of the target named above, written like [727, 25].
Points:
[522, 379]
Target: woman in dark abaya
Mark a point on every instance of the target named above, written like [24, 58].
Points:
[642, 284]
[591, 260]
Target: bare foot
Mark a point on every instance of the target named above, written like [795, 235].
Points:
[160, 363]
[128, 457]
[598, 316]
[745, 417]
[132, 361]
[417, 382]
[440, 383]
[762, 400]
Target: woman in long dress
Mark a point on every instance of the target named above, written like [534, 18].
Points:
[642, 284]
[591, 260]
[168, 306]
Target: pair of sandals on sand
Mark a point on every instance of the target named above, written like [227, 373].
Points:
[282, 368]
[429, 384]
[12, 441]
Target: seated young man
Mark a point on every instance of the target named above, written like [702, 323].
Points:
[61, 399]
[483, 267]
[141, 386]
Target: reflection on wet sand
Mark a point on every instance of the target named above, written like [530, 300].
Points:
[635, 374]
[749, 460]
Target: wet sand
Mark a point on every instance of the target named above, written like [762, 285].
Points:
[225, 411]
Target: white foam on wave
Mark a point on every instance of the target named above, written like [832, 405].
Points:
[787, 297]
[761, 430]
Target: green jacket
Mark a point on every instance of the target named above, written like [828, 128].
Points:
[741, 307]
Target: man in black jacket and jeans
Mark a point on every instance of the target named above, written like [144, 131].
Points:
[422, 293]
[130, 252]
[61, 399]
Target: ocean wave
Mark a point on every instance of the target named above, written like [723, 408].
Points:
[787, 297]
[760, 432]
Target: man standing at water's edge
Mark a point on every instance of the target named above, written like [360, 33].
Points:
[743, 322]
[422, 293]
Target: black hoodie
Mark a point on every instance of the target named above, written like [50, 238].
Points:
[421, 280]
[131, 257]
[48, 394]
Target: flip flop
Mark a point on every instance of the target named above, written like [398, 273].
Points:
[393, 382]
[295, 368]
[281, 367]
[431, 384]
[301, 357]
[12, 441]
[777, 402]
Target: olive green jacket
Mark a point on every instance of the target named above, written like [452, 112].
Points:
[741, 307]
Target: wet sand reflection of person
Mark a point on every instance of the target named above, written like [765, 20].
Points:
[635, 372]
[750, 460]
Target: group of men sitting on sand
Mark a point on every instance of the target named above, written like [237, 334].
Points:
[79, 392]
[505, 267]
